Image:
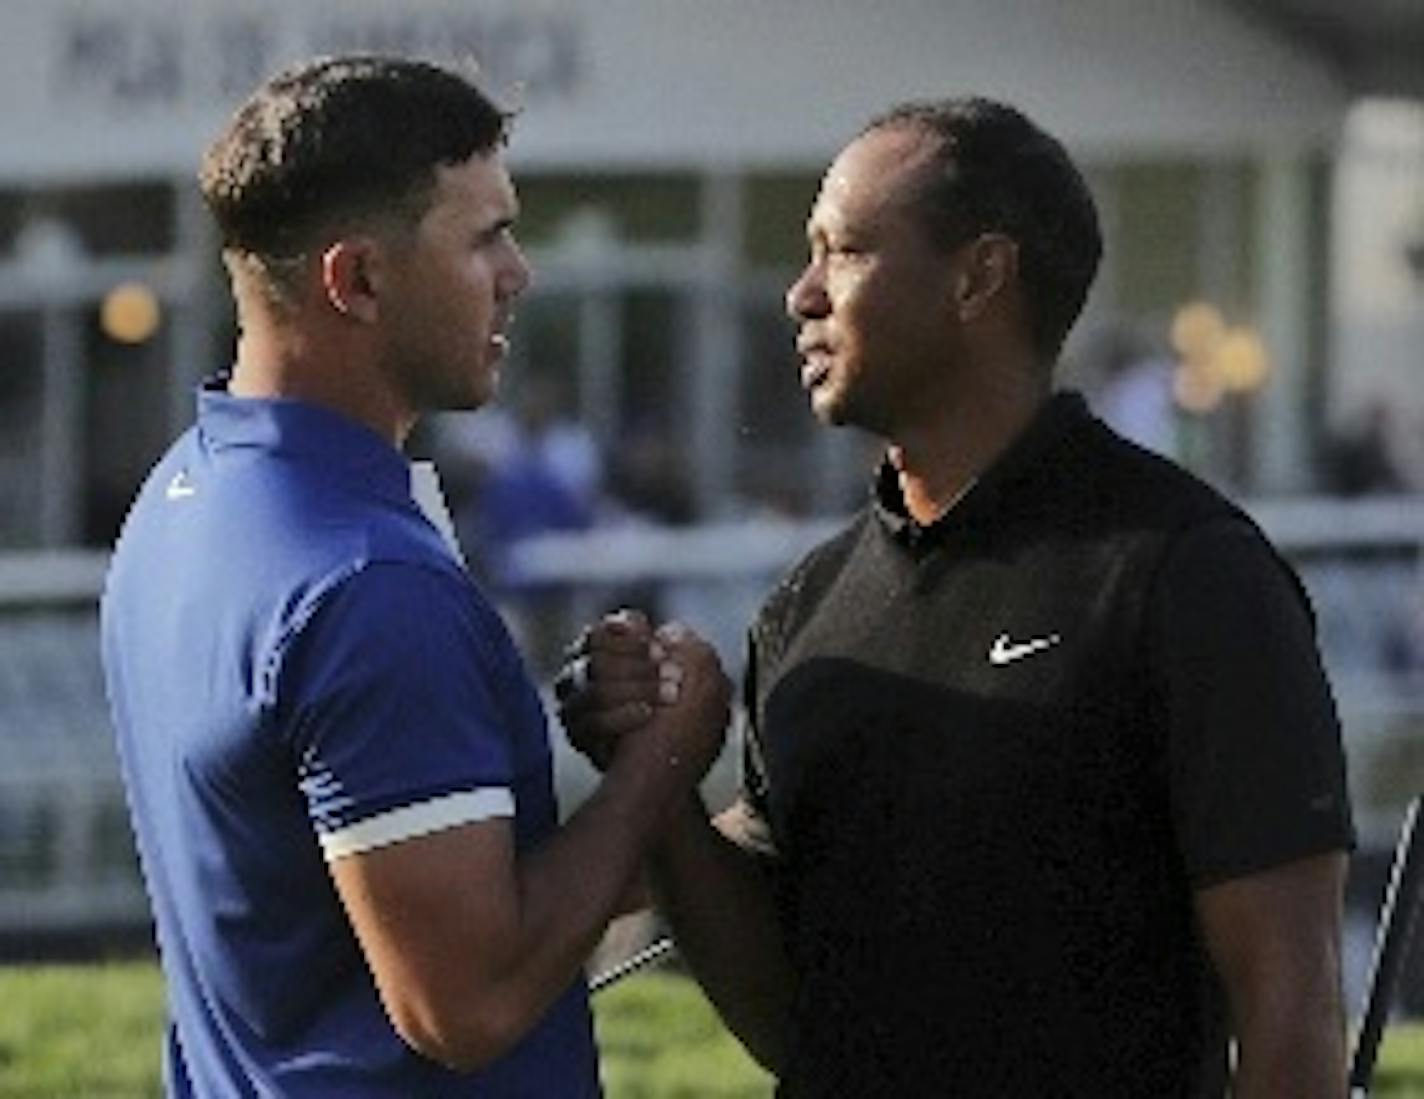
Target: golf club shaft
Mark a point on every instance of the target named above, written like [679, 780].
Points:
[660, 949]
[1391, 949]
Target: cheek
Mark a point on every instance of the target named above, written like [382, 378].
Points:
[478, 291]
[861, 309]
[456, 301]
[846, 293]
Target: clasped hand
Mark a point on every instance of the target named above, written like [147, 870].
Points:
[628, 687]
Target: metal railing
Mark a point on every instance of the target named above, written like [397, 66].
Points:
[66, 857]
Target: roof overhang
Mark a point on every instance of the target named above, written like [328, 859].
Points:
[1376, 46]
[105, 88]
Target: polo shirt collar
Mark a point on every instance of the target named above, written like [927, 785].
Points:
[1060, 414]
[302, 430]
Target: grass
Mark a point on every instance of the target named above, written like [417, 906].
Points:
[660, 1040]
[92, 1032]
[1400, 1070]
[80, 1031]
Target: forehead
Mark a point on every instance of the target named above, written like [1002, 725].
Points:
[477, 189]
[876, 175]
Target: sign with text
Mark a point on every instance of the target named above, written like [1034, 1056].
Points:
[113, 88]
[122, 59]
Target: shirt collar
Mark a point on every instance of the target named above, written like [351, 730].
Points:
[1059, 415]
[300, 429]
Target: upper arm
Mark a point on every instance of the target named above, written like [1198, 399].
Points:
[1254, 753]
[1274, 936]
[415, 907]
[391, 693]
[394, 712]
[1274, 941]
[1259, 801]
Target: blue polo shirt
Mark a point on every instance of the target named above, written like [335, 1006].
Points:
[298, 671]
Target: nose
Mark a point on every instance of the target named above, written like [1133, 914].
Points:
[806, 297]
[517, 273]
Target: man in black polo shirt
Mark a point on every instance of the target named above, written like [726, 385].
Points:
[1044, 792]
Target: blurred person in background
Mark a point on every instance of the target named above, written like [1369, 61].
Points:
[1043, 791]
[338, 769]
[1359, 459]
[546, 480]
[1132, 390]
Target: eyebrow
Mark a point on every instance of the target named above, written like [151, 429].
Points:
[839, 229]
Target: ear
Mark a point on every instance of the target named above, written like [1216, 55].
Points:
[986, 270]
[349, 276]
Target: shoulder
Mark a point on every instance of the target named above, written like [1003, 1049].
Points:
[1228, 563]
[1203, 536]
[1112, 470]
[1118, 499]
[391, 601]
[389, 621]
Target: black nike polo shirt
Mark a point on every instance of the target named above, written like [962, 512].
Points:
[996, 755]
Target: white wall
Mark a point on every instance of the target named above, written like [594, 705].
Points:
[1378, 301]
[133, 87]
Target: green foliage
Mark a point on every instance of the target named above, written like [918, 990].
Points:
[94, 1031]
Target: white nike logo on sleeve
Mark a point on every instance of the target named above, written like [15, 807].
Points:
[180, 487]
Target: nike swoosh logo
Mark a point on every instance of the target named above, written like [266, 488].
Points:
[180, 488]
[1003, 651]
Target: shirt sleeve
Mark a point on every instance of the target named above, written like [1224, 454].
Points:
[389, 699]
[1254, 750]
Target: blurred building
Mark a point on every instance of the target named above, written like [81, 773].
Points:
[667, 153]
[1259, 219]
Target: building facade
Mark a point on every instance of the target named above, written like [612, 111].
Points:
[667, 153]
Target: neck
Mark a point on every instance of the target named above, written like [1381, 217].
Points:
[286, 361]
[940, 459]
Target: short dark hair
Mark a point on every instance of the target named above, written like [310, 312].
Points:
[995, 171]
[337, 138]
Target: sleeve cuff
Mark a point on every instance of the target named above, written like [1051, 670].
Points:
[410, 821]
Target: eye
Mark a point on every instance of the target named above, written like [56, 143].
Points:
[495, 234]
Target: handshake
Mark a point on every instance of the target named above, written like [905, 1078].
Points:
[651, 700]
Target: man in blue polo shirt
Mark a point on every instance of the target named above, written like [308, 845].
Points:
[338, 769]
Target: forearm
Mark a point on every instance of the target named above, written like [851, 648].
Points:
[471, 941]
[571, 887]
[1274, 938]
[723, 916]
[1295, 1048]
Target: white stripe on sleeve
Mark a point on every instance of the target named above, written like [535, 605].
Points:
[410, 821]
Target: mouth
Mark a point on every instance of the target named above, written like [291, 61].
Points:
[816, 360]
[499, 335]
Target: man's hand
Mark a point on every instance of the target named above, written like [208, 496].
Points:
[615, 674]
[625, 681]
[690, 725]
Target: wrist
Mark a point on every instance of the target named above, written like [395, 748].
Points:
[647, 777]
[685, 819]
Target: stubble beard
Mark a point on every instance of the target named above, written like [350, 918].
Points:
[446, 385]
[841, 403]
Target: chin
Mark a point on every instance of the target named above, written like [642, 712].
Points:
[836, 411]
[830, 408]
[462, 398]
[479, 387]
